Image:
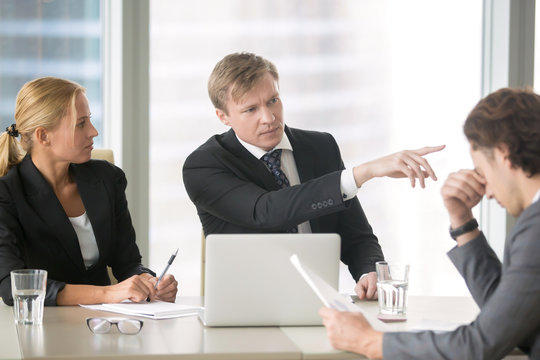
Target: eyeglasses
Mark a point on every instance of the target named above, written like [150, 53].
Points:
[104, 325]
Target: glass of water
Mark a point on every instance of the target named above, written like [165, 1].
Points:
[392, 286]
[28, 288]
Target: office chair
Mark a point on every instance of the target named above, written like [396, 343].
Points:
[203, 260]
[105, 154]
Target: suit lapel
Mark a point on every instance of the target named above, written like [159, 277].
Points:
[95, 198]
[250, 167]
[305, 163]
[48, 208]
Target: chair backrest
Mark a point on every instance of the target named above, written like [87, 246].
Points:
[203, 260]
[105, 154]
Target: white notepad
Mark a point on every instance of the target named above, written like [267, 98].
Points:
[326, 293]
[153, 310]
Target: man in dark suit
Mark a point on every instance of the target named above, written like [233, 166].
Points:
[254, 179]
[504, 133]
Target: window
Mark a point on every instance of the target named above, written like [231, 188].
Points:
[59, 38]
[381, 76]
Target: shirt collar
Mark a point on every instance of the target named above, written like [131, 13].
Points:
[284, 144]
[536, 197]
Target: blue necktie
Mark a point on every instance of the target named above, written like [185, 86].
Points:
[272, 160]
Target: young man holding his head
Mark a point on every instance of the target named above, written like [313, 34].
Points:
[262, 176]
[504, 133]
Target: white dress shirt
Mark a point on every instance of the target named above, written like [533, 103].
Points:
[536, 197]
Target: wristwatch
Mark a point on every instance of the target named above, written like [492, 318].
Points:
[463, 229]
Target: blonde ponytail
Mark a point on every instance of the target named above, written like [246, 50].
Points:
[10, 151]
[43, 103]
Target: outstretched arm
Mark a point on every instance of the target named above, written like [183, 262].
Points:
[406, 163]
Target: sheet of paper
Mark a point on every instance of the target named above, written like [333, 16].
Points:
[328, 295]
[153, 310]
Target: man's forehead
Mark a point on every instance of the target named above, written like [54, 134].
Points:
[241, 96]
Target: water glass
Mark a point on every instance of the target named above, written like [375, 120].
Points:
[392, 286]
[28, 287]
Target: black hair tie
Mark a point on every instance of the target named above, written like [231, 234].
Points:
[12, 131]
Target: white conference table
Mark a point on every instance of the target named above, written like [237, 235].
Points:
[64, 334]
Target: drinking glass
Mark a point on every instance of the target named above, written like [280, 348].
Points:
[392, 286]
[28, 287]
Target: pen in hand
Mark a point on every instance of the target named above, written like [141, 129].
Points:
[173, 256]
[171, 259]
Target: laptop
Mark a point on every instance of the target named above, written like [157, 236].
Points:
[250, 281]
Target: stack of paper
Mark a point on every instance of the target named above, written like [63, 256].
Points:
[154, 309]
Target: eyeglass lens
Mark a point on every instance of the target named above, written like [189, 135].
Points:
[125, 326]
[129, 326]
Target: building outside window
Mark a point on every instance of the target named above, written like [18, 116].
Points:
[59, 38]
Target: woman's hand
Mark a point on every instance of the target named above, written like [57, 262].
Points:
[167, 288]
[136, 288]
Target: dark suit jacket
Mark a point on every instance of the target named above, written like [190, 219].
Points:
[235, 193]
[35, 231]
[508, 296]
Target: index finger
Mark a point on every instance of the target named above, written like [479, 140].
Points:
[147, 284]
[428, 150]
[474, 180]
[425, 164]
[479, 177]
[165, 281]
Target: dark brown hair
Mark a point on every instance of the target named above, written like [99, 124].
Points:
[510, 117]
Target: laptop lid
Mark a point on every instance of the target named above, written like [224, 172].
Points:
[251, 282]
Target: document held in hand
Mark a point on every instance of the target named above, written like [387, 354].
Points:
[153, 310]
[328, 295]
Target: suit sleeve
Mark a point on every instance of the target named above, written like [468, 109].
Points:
[218, 190]
[10, 252]
[126, 258]
[509, 301]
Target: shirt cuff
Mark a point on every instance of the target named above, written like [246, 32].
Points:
[348, 185]
[361, 277]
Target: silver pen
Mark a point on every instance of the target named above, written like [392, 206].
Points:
[173, 256]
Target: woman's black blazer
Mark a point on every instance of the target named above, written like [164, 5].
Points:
[35, 231]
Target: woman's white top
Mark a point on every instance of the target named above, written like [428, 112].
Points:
[87, 239]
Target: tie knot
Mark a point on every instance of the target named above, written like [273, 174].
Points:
[272, 159]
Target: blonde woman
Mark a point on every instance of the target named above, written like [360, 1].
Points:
[61, 211]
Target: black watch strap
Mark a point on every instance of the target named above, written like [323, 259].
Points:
[463, 229]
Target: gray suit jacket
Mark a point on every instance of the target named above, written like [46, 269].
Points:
[508, 297]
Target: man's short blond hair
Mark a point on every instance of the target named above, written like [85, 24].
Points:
[237, 73]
